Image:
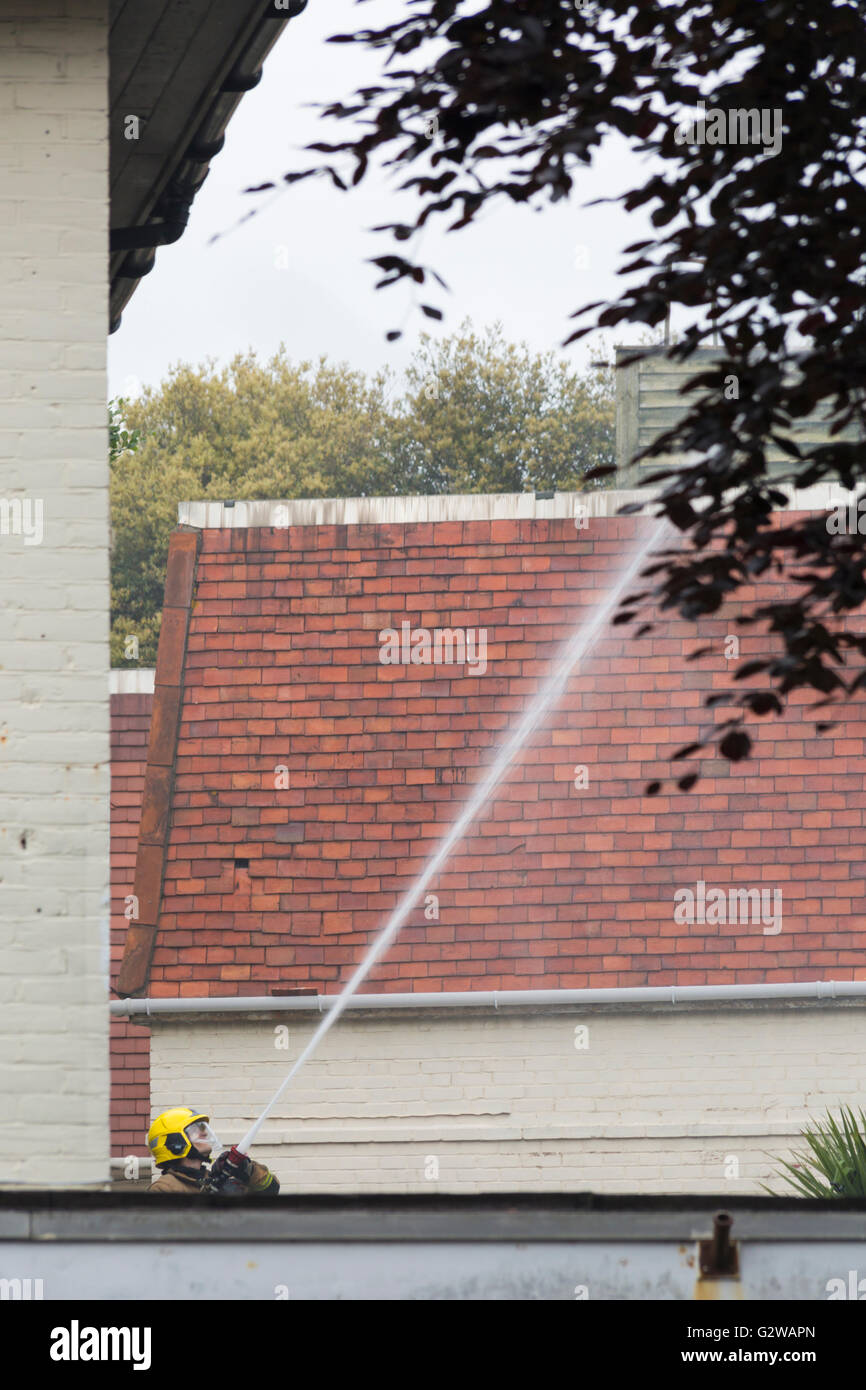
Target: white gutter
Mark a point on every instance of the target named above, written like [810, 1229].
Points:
[497, 999]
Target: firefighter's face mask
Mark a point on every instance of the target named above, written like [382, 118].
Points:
[202, 1137]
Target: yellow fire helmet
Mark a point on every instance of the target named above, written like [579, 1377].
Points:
[169, 1136]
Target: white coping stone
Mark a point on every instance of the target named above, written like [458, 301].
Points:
[135, 681]
[497, 506]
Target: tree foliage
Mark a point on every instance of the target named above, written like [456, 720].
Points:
[506, 99]
[480, 414]
[474, 414]
[120, 439]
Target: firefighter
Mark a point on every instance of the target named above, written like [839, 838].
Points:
[181, 1141]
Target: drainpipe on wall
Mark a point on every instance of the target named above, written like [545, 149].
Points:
[500, 1000]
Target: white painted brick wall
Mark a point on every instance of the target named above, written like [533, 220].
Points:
[690, 1101]
[54, 596]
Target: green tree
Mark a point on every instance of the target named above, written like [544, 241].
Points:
[483, 415]
[474, 414]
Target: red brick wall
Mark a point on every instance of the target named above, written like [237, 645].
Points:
[130, 1043]
[554, 887]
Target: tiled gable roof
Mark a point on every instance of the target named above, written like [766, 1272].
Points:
[271, 886]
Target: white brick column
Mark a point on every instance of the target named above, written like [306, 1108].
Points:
[54, 591]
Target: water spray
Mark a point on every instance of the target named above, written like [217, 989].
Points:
[574, 650]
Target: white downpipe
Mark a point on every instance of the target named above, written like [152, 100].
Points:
[498, 1000]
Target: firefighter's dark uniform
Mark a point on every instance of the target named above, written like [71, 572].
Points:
[178, 1179]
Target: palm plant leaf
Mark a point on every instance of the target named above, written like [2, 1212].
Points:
[835, 1163]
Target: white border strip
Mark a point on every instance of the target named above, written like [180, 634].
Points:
[136, 681]
[497, 506]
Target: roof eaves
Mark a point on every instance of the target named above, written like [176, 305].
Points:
[167, 219]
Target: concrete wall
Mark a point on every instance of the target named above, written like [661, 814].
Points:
[427, 1248]
[54, 594]
[651, 1101]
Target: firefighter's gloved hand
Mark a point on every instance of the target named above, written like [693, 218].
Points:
[228, 1172]
[221, 1186]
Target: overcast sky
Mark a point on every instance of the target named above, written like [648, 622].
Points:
[518, 266]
